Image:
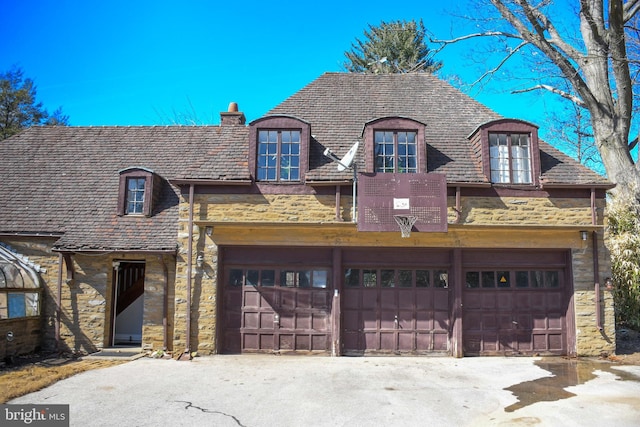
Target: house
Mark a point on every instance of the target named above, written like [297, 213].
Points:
[467, 235]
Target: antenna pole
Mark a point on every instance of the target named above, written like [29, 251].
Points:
[355, 181]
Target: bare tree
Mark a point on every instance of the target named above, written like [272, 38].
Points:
[595, 55]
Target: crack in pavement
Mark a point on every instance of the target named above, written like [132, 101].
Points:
[209, 411]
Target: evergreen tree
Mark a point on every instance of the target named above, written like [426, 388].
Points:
[19, 108]
[392, 47]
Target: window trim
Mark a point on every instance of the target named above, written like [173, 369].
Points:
[480, 139]
[394, 124]
[136, 173]
[279, 123]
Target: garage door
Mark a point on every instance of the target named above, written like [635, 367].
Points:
[516, 310]
[276, 310]
[395, 311]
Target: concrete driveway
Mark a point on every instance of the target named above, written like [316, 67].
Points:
[262, 390]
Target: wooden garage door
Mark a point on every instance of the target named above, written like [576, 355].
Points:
[276, 310]
[514, 312]
[395, 311]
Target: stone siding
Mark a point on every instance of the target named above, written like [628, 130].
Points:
[85, 319]
[483, 211]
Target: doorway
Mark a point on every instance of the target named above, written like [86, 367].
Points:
[128, 306]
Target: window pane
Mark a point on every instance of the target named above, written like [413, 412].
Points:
[319, 278]
[135, 195]
[387, 278]
[503, 279]
[473, 279]
[32, 306]
[522, 279]
[441, 279]
[488, 279]
[235, 277]
[3, 276]
[352, 277]
[370, 278]
[552, 279]
[253, 277]
[16, 305]
[4, 313]
[288, 279]
[423, 278]
[268, 278]
[537, 279]
[405, 278]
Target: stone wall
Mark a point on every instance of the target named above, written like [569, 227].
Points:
[26, 336]
[85, 318]
[37, 250]
[476, 211]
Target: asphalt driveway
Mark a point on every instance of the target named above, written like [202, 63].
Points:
[264, 390]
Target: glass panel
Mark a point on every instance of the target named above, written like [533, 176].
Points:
[537, 279]
[288, 278]
[31, 304]
[3, 276]
[370, 278]
[552, 279]
[235, 277]
[503, 279]
[12, 276]
[405, 278]
[253, 277]
[473, 279]
[488, 279]
[352, 277]
[499, 158]
[319, 279]
[135, 195]
[441, 279]
[268, 278]
[304, 279]
[522, 279]
[423, 278]
[3, 306]
[16, 305]
[387, 278]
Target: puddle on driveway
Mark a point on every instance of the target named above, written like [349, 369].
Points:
[565, 373]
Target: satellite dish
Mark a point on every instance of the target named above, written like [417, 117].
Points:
[347, 160]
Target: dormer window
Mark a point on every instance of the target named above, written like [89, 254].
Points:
[280, 149]
[395, 145]
[137, 190]
[508, 150]
[510, 158]
[395, 151]
[135, 195]
[278, 155]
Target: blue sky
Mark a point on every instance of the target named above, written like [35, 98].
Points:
[145, 62]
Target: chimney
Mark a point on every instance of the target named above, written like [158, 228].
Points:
[232, 117]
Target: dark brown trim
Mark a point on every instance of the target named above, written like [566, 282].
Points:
[336, 314]
[456, 338]
[280, 123]
[213, 182]
[149, 184]
[509, 126]
[394, 124]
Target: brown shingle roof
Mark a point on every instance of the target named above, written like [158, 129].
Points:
[65, 180]
[339, 104]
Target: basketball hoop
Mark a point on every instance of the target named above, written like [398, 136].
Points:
[406, 223]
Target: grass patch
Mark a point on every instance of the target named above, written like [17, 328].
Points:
[16, 382]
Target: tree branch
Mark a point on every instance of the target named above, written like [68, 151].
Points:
[504, 60]
[557, 91]
[444, 43]
[630, 9]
